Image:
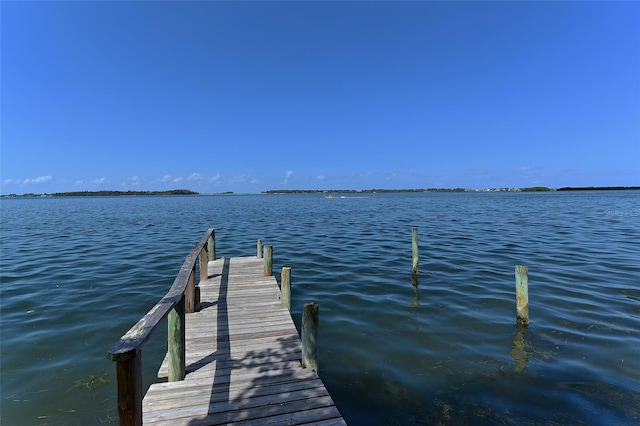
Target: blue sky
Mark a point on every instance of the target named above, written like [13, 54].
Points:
[252, 96]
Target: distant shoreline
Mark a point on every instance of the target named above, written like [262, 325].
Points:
[104, 193]
[373, 191]
[598, 188]
[108, 193]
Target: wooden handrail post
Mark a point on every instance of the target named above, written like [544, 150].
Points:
[310, 316]
[190, 292]
[196, 299]
[268, 260]
[414, 252]
[129, 376]
[522, 295]
[176, 345]
[259, 249]
[204, 265]
[211, 245]
[285, 287]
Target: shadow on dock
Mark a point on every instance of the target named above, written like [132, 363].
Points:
[258, 377]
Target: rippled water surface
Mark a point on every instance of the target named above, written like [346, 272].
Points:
[76, 273]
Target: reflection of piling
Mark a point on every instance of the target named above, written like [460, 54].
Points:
[518, 352]
[259, 249]
[268, 260]
[285, 287]
[310, 315]
[522, 294]
[416, 294]
[414, 252]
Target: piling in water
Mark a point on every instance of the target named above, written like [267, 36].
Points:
[285, 287]
[522, 295]
[414, 252]
[310, 315]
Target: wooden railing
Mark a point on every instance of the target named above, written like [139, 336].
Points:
[183, 297]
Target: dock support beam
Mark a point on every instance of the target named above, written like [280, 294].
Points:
[259, 249]
[310, 316]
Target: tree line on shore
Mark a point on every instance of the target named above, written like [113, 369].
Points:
[106, 193]
[111, 193]
[525, 189]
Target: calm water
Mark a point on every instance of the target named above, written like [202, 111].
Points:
[76, 273]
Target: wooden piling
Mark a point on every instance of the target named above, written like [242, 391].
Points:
[522, 295]
[204, 265]
[211, 245]
[129, 376]
[310, 316]
[268, 260]
[414, 251]
[285, 287]
[259, 249]
[190, 292]
[176, 346]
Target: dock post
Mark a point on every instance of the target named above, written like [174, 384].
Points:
[414, 252]
[190, 292]
[176, 346]
[285, 287]
[211, 244]
[129, 377]
[522, 295]
[268, 260]
[204, 265]
[310, 315]
[259, 249]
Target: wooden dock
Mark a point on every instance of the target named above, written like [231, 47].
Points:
[242, 359]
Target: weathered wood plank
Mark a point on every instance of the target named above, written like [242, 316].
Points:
[277, 385]
[229, 412]
[284, 376]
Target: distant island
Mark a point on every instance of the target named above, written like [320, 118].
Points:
[104, 193]
[373, 191]
[107, 193]
[598, 188]
[382, 191]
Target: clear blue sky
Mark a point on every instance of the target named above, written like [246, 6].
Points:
[251, 96]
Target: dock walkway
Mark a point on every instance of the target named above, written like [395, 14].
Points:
[243, 357]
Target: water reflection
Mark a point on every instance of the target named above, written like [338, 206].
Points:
[416, 294]
[519, 353]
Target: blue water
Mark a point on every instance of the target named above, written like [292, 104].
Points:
[76, 273]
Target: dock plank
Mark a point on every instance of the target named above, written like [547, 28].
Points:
[242, 359]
